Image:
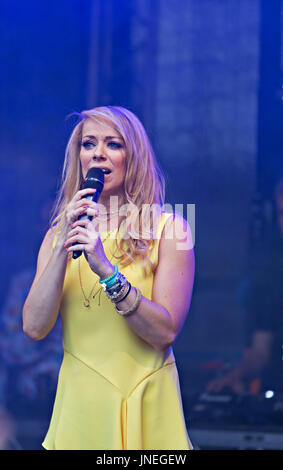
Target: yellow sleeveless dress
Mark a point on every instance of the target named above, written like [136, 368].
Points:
[114, 391]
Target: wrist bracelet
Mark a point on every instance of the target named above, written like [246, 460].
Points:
[116, 291]
[119, 293]
[120, 282]
[104, 281]
[112, 281]
[133, 307]
[124, 295]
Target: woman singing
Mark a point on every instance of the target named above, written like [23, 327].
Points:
[122, 303]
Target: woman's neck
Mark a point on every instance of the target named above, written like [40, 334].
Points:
[109, 218]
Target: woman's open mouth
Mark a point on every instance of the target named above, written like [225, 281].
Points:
[106, 173]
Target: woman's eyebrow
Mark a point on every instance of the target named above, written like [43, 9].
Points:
[108, 137]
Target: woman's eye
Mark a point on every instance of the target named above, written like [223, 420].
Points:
[87, 145]
[114, 145]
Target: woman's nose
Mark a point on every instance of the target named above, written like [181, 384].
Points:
[99, 151]
[98, 156]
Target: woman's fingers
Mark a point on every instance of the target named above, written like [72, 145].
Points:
[79, 229]
[75, 240]
[86, 223]
[82, 232]
[91, 212]
[74, 214]
[79, 203]
[84, 202]
[82, 193]
[76, 247]
[82, 206]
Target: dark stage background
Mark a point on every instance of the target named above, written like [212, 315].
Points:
[205, 78]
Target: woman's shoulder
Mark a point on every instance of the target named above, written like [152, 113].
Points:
[174, 219]
[177, 229]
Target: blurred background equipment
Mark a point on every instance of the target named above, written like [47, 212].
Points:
[205, 78]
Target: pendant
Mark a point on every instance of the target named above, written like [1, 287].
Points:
[86, 303]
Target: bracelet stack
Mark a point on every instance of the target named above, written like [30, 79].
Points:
[133, 307]
[117, 288]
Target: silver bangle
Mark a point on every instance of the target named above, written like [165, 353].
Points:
[113, 294]
[122, 295]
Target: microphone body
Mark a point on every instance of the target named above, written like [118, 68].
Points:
[94, 179]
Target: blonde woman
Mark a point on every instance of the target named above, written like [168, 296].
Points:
[118, 385]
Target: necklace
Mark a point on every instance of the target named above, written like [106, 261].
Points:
[86, 301]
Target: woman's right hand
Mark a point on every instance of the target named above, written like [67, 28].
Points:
[78, 205]
[75, 208]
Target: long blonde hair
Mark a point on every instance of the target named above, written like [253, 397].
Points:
[144, 184]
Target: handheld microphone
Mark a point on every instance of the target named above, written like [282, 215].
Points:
[94, 179]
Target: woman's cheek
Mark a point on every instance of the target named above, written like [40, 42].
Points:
[84, 162]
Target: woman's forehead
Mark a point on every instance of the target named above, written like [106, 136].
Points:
[103, 127]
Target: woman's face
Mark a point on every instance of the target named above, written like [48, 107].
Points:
[102, 147]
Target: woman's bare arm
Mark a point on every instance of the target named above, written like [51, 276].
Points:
[42, 304]
[159, 321]
[41, 307]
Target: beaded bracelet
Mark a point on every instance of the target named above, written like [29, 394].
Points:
[112, 282]
[113, 275]
[133, 307]
[124, 294]
[120, 282]
[119, 293]
[114, 294]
